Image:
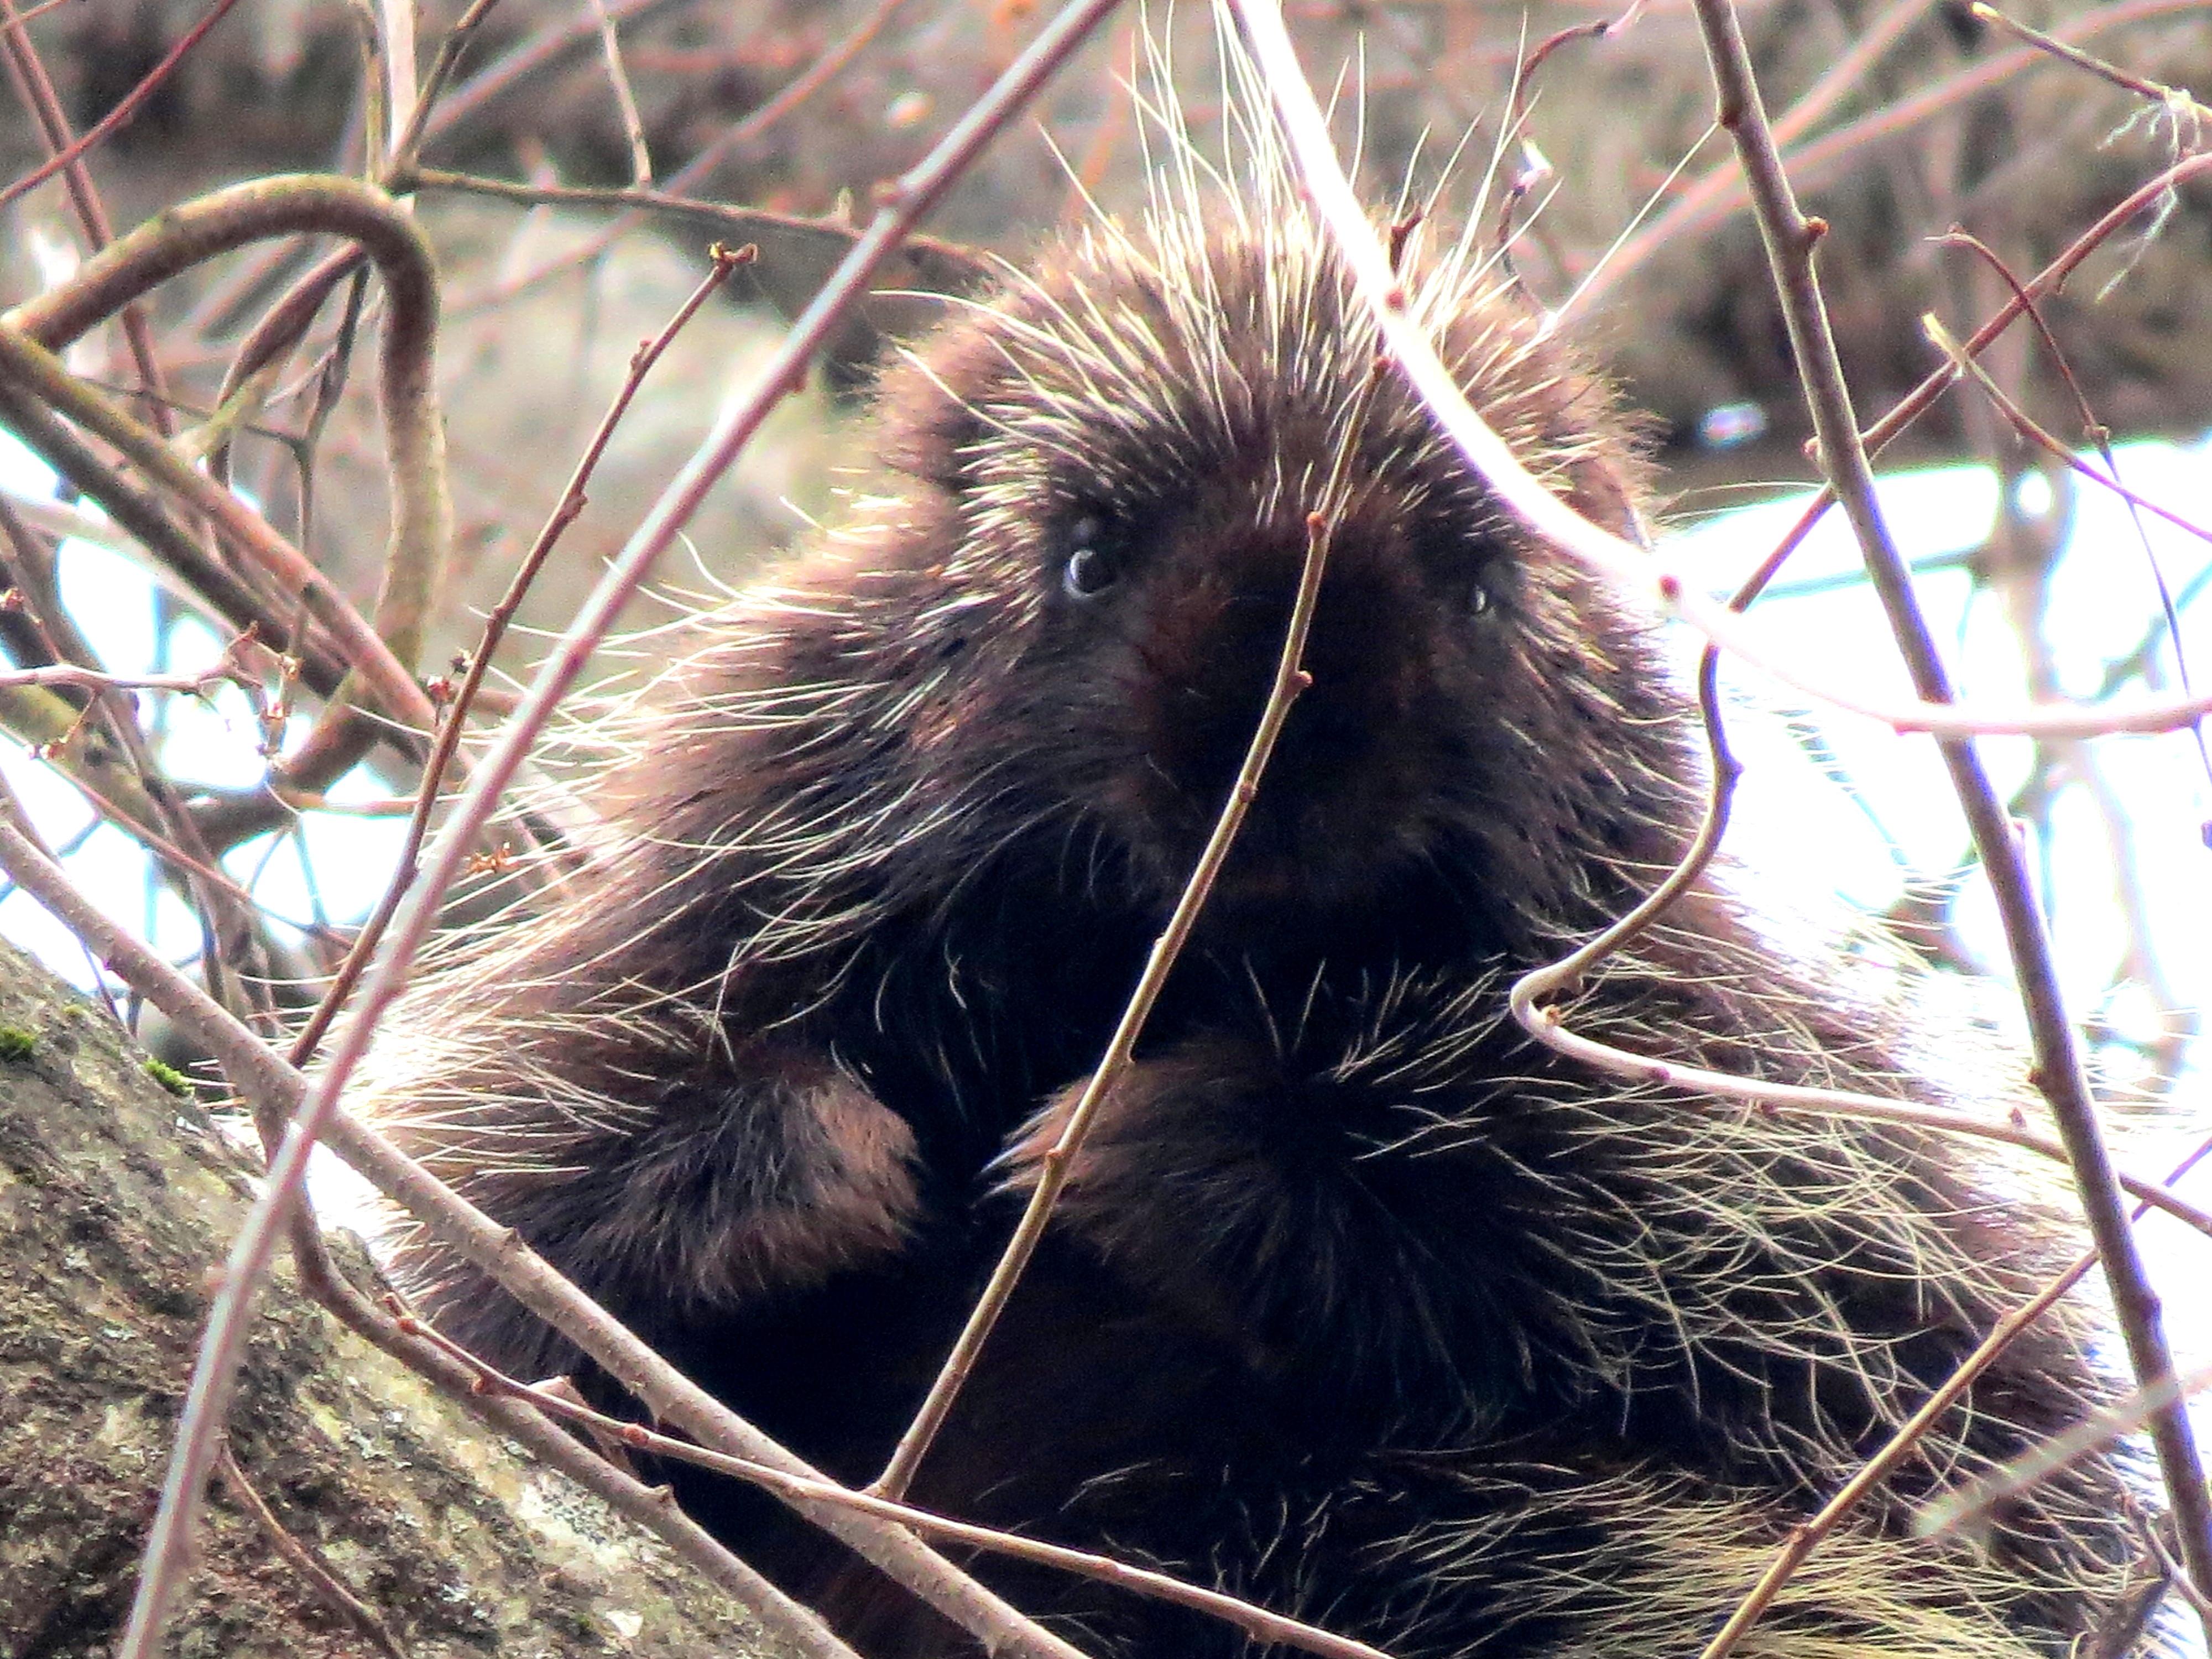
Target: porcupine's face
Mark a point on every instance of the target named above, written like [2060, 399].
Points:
[1132, 440]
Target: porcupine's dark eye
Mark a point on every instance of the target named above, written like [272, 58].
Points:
[1469, 569]
[1094, 557]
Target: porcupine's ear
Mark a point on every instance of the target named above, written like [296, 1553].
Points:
[925, 431]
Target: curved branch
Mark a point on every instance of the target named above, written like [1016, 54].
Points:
[26, 368]
[179, 238]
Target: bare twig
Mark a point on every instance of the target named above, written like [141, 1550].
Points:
[126, 107]
[1290, 678]
[63, 673]
[28, 69]
[640, 159]
[14, 22]
[2100, 435]
[527, 62]
[2175, 99]
[144, 803]
[32, 370]
[393, 45]
[1544, 1023]
[2027, 427]
[1804, 1540]
[1721, 193]
[422, 514]
[1257, 1622]
[2049, 280]
[305, 1561]
[408, 145]
[726, 264]
[2085, 1439]
[733, 220]
[175, 555]
[1789, 240]
[1552, 518]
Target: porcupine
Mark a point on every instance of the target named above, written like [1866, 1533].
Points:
[1358, 1302]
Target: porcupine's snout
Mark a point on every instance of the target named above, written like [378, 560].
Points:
[1344, 778]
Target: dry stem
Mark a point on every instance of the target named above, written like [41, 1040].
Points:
[1257, 1622]
[1290, 678]
[564, 514]
[1790, 240]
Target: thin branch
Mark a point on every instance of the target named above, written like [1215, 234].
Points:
[526, 64]
[33, 370]
[126, 107]
[144, 802]
[1551, 519]
[1719, 195]
[66, 673]
[1804, 1540]
[733, 220]
[422, 514]
[176, 557]
[325, 1584]
[2176, 99]
[2100, 435]
[641, 158]
[2029, 428]
[409, 144]
[2085, 1439]
[30, 72]
[1290, 678]
[1544, 1023]
[393, 45]
[1790, 238]
[15, 21]
[1257, 1622]
[564, 514]
[2052, 277]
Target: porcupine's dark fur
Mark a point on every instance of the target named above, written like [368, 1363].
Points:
[1358, 1302]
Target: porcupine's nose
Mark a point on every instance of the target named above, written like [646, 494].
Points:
[1353, 694]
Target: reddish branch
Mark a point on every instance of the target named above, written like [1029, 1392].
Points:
[1790, 238]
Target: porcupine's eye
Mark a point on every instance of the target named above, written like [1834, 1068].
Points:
[1474, 591]
[1094, 557]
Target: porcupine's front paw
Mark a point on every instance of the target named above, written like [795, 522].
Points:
[1204, 1131]
[1178, 1185]
[1248, 1195]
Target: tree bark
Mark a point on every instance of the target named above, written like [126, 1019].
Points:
[118, 1199]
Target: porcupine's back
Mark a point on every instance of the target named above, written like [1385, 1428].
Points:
[1358, 1302]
